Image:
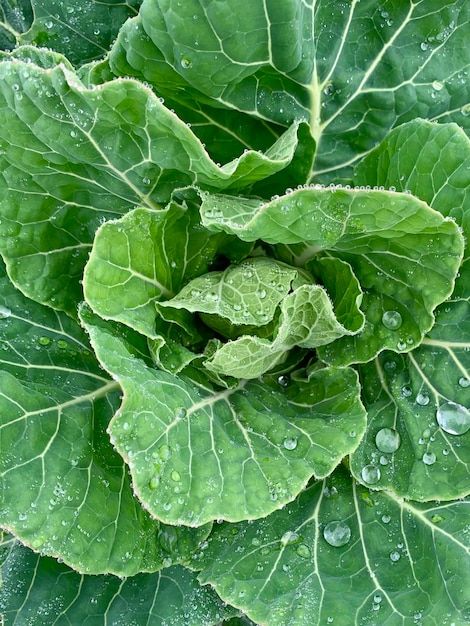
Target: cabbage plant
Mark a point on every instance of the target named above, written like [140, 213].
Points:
[235, 312]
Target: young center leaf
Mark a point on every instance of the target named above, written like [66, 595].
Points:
[199, 453]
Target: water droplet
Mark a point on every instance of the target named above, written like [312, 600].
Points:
[180, 413]
[406, 391]
[453, 418]
[176, 476]
[464, 382]
[337, 533]
[392, 320]
[165, 452]
[49, 24]
[429, 458]
[386, 519]
[424, 45]
[186, 63]
[303, 551]
[44, 341]
[394, 556]
[387, 440]
[261, 294]
[62, 344]
[437, 85]
[283, 381]
[370, 474]
[4, 312]
[465, 110]
[154, 482]
[290, 443]
[401, 345]
[289, 537]
[422, 399]
[329, 89]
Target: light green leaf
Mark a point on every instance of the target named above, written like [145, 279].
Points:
[353, 71]
[422, 402]
[198, 453]
[38, 590]
[57, 466]
[404, 254]
[248, 293]
[82, 31]
[339, 554]
[71, 157]
[307, 320]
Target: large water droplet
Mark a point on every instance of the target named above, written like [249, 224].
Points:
[453, 418]
[437, 85]
[370, 474]
[464, 382]
[392, 320]
[4, 312]
[186, 63]
[337, 533]
[394, 556]
[422, 399]
[387, 440]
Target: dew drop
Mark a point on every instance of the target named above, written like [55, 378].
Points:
[429, 458]
[337, 533]
[437, 85]
[464, 382]
[283, 381]
[44, 341]
[422, 399]
[154, 482]
[186, 63]
[386, 519]
[387, 440]
[401, 345]
[4, 312]
[290, 443]
[465, 110]
[303, 551]
[453, 418]
[370, 474]
[424, 45]
[289, 537]
[392, 320]
[176, 476]
[394, 556]
[181, 413]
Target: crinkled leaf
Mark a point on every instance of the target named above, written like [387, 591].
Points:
[71, 157]
[404, 254]
[307, 320]
[146, 256]
[58, 467]
[418, 433]
[352, 70]
[83, 31]
[248, 293]
[39, 590]
[343, 555]
[198, 453]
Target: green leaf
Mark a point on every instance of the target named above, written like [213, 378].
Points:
[42, 591]
[352, 71]
[404, 254]
[433, 162]
[57, 465]
[72, 157]
[307, 320]
[198, 453]
[339, 554]
[421, 400]
[81, 31]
